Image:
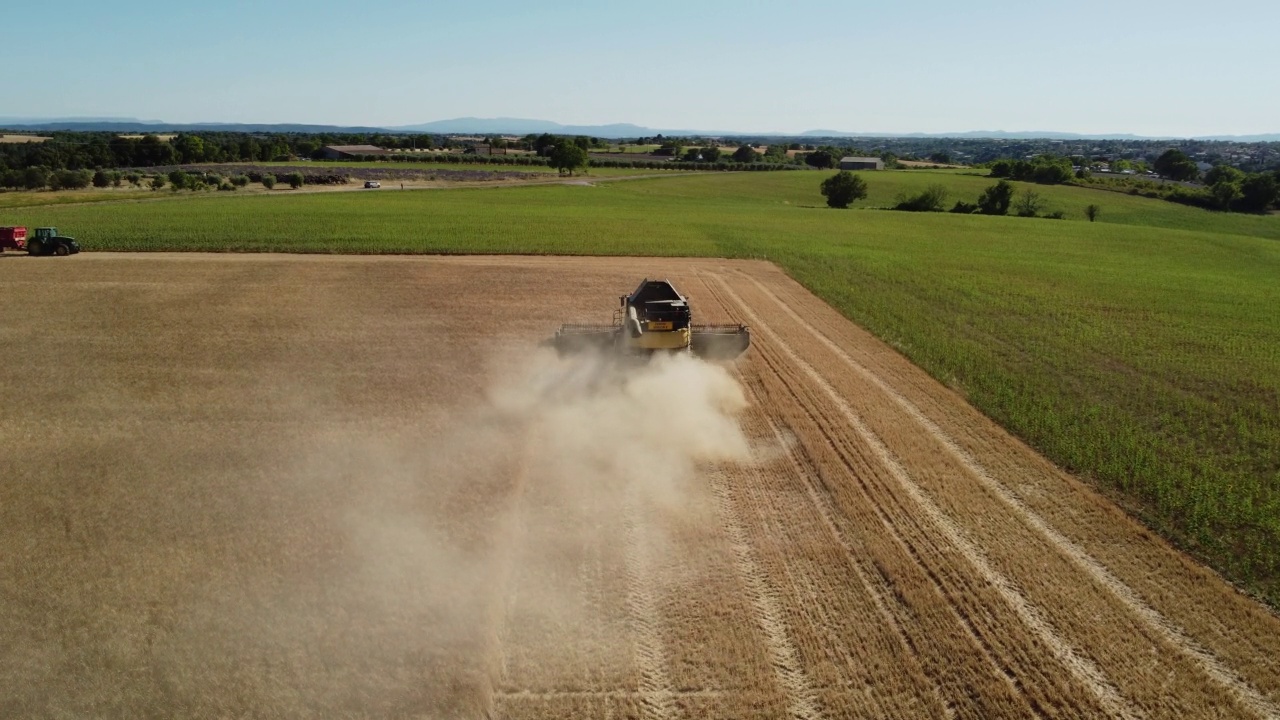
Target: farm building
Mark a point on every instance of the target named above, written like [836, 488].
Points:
[346, 152]
[861, 163]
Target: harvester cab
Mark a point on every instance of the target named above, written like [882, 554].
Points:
[655, 318]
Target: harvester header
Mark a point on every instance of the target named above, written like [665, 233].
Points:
[655, 318]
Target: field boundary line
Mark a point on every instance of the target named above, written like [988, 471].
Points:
[657, 696]
[1086, 671]
[802, 701]
[1208, 663]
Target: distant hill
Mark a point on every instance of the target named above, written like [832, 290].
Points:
[1038, 135]
[11, 121]
[524, 126]
[137, 126]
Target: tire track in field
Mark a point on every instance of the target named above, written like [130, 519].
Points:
[1170, 632]
[512, 530]
[544, 696]
[802, 702]
[827, 514]
[835, 523]
[657, 696]
[882, 587]
[1085, 670]
[875, 583]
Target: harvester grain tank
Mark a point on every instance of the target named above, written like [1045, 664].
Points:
[655, 318]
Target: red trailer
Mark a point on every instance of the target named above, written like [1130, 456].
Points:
[13, 237]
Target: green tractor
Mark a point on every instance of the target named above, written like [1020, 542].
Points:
[47, 241]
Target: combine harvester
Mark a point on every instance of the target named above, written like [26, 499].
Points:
[655, 318]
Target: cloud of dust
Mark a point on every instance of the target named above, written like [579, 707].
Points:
[433, 558]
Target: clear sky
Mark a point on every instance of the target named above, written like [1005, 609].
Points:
[1170, 67]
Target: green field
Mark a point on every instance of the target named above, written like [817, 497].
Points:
[494, 166]
[1142, 350]
[31, 198]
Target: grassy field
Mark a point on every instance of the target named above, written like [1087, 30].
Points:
[34, 198]
[1140, 350]
[22, 138]
[541, 169]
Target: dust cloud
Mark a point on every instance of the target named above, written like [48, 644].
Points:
[424, 567]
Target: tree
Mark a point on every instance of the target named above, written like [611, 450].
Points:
[711, 154]
[295, 180]
[996, 199]
[34, 178]
[568, 156]
[268, 181]
[820, 159]
[190, 148]
[931, 199]
[101, 179]
[178, 179]
[1224, 193]
[71, 180]
[693, 154]
[545, 143]
[157, 182]
[1223, 173]
[153, 151]
[1002, 168]
[1175, 165]
[1092, 212]
[745, 154]
[843, 188]
[1259, 191]
[1029, 204]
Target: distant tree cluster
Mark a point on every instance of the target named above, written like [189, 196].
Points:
[1044, 169]
[1175, 165]
[1233, 189]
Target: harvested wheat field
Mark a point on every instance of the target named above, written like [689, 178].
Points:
[275, 486]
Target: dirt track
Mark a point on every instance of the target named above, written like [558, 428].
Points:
[298, 486]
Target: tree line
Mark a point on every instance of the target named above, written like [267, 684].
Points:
[1224, 187]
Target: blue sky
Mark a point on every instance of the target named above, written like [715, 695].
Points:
[1152, 68]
